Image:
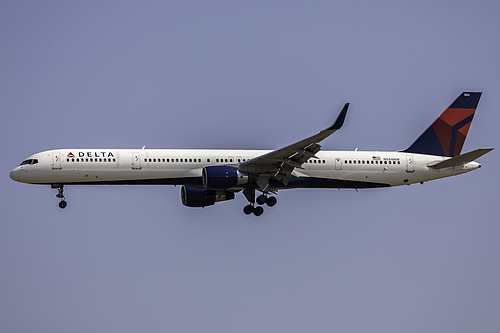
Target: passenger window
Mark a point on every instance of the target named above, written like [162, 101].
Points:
[208, 160]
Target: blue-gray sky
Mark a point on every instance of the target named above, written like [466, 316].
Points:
[259, 74]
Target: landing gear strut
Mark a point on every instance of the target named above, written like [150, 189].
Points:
[261, 200]
[60, 195]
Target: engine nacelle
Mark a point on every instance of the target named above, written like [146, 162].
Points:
[222, 177]
[200, 197]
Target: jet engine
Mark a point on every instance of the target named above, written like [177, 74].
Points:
[200, 197]
[222, 177]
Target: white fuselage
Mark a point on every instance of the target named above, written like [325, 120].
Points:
[332, 169]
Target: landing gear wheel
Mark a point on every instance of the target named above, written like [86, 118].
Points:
[261, 199]
[271, 201]
[248, 209]
[258, 211]
[63, 204]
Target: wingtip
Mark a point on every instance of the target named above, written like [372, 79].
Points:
[340, 119]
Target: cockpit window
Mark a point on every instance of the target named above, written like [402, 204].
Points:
[30, 161]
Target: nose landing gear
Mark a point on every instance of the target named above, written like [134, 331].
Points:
[60, 195]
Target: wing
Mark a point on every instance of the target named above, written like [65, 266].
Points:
[279, 164]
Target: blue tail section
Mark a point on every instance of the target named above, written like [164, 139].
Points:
[446, 136]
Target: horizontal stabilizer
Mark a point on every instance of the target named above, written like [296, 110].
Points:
[461, 159]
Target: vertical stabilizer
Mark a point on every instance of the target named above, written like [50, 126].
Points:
[446, 136]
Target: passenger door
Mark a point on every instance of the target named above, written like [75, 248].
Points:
[338, 164]
[56, 161]
[410, 166]
[136, 161]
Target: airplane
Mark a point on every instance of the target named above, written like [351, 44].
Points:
[209, 176]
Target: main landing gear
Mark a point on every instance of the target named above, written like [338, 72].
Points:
[60, 195]
[261, 200]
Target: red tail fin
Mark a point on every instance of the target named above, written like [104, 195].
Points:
[446, 136]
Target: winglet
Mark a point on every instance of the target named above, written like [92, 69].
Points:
[340, 119]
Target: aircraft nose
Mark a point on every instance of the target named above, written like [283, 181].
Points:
[15, 175]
